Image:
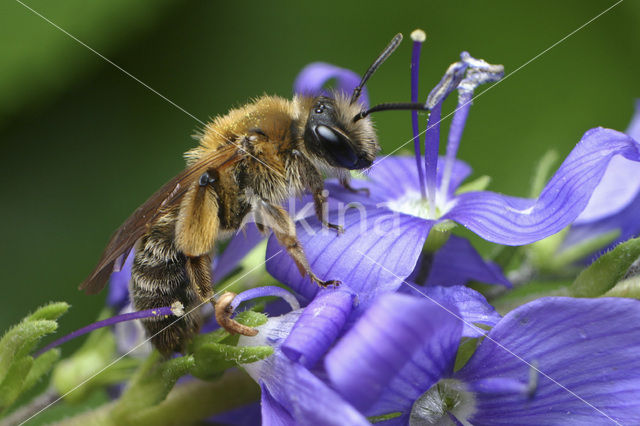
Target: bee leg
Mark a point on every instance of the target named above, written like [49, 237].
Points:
[321, 206]
[224, 310]
[198, 270]
[285, 231]
[344, 181]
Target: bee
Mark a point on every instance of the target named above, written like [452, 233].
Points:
[248, 161]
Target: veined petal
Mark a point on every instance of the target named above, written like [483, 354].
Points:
[394, 176]
[378, 249]
[290, 391]
[472, 307]
[398, 348]
[457, 263]
[319, 325]
[516, 221]
[312, 79]
[589, 347]
[627, 221]
[273, 413]
[619, 186]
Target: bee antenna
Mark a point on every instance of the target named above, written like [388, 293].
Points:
[395, 42]
[411, 106]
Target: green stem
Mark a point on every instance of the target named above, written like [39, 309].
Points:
[187, 403]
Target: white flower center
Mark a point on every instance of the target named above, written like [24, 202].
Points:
[413, 204]
[448, 396]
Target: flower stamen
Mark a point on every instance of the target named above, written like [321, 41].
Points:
[418, 36]
[176, 309]
[478, 72]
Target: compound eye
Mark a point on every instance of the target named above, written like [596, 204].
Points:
[337, 145]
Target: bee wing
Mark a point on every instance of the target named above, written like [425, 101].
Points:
[137, 224]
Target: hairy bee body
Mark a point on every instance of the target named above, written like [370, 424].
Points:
[172, 261]
[159, 278]
[248, 161]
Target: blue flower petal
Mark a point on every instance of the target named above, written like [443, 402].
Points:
[627, 221]
[517, 221]
[312, 79]
[118, 296]
[472, 306]
[398, 348]
[239, 246]
[319, 325]
[394, 176]
[457, 262]
[246, 415]
[290, 391]
[619, 186]
[273, 414]
[589, 347]
[499, 385]
[378, 249]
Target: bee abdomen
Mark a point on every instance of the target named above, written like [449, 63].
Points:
[157, 282]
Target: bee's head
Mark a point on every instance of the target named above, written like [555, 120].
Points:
[338, 129]
[332, 133]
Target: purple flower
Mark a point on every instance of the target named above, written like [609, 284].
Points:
[615, 202]
[291, 394]
[391, 225]
[554, 360]
[314, 77]
[456, 263]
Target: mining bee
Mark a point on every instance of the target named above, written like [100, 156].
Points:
[248, 161]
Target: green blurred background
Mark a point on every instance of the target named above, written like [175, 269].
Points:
[84, 144]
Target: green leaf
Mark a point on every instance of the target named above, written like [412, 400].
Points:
[605, 272]
[52, 311]
[11, 386]
[479, 184]
[529, 292]
[251, 318]
[22, 338]
[546, 255]
[384, 417]
[543, 172]
[584, 248]
[212, 359]
[543, 253]
[150, 385]
[41, 366]
[465, 351]
[504, 255]
[88, 367]
[18, 370]
[438, 236]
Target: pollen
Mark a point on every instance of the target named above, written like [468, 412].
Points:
[177, 308]
[418, 35]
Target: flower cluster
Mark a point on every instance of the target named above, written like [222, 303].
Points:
[391, 347]
[423, 329]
